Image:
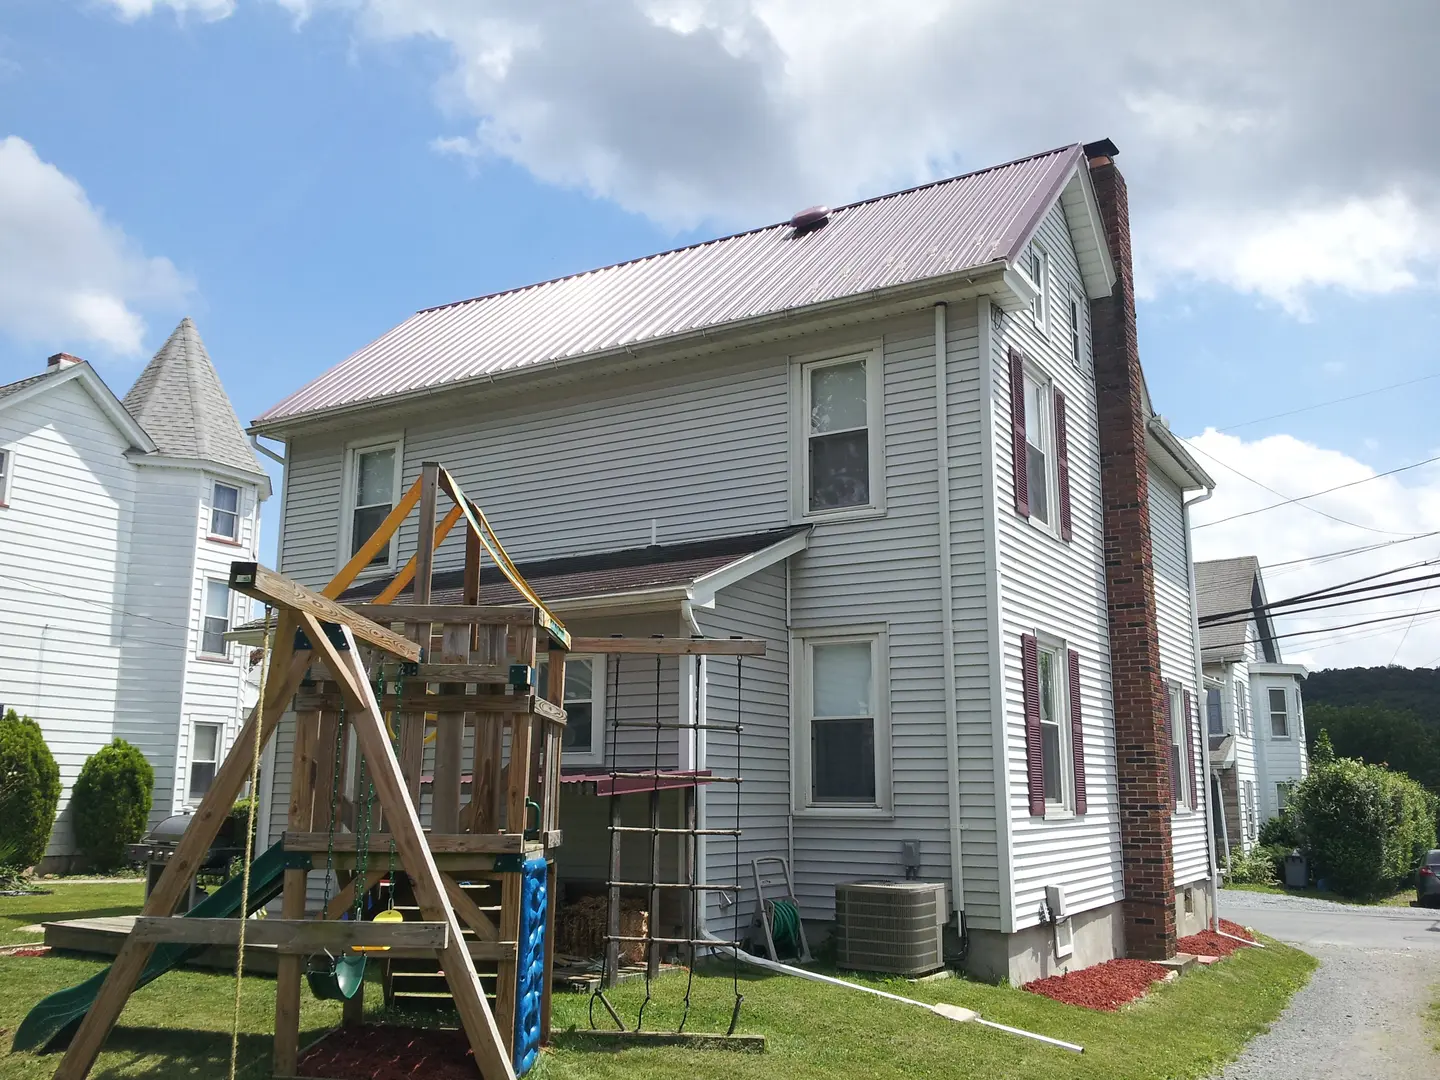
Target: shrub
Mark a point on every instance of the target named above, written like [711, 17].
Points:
[1280, 830]
[1254, 868]
[29, 790]
[111, 802]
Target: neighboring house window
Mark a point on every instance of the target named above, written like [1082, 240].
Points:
[6, 462]
[1214, 711]
[215, 618]
[204, 753]
[1040, 447]
[839, 418]
[372, 496]
[1037, 268]
[845, 724]
[1054, 728]
[1282, 795]
[584, 738]
[1252, 826]
[225, 512]
[1077, 339]
[1242, 708]
[1179, 759]
[1279, 714]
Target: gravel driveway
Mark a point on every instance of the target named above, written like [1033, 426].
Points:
[1362, 1016]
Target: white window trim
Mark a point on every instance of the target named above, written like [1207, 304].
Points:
[599, 699]
[1040, 308]
[874, 357]
[1179, 737]
[7, 469]
[1046, 386]
[239, 512]
[1079, 317]
[801, 639]
[1065, 808]
[1270, 715]
[353, 450]
[225, 650]
[190, 759]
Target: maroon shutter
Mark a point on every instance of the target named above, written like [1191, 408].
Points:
[1017, 433]
[1169, 747]
[1077, 732]
[1034, 754]
[1190, 751]
[1062, 464]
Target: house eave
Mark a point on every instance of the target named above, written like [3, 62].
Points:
[225, 472]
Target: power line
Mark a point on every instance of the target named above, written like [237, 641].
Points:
[1317, 494]
[1333, 401]
[1314, 510]
[1327, 593]
[1346, 552]
[1328, 629]
[1323, 607]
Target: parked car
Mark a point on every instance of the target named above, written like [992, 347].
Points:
[1427, 882]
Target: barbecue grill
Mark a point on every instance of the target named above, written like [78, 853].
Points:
[159, 844]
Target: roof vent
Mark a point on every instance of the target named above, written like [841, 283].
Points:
[812, 217]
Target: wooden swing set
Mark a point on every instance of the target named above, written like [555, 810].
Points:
[468, 671]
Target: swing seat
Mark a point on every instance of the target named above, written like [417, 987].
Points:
[390, 915]
[340, 981]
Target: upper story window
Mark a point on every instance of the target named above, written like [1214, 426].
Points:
[1282, 795]
[1040, 447]
[584, 738]
[839, 420]
[1039, 456]
[1077, 331]
[1242, 708]
[204, 755]
[1214, 711]
[1279, 713]
[844, 723]
[1177, 721]
[1037, 269]
[6, 464]
[225, 511]
[215, 618]
[1053, 748]
[370, 496]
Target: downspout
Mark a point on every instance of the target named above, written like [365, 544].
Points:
[947, 610]
[1205, 726]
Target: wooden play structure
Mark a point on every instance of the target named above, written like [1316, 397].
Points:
[365, 682]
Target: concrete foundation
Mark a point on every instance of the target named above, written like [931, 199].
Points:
[1099, 935]
[1192, 908]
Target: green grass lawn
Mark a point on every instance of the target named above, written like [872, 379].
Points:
[1404, 898]
[179, 1025]
[66, 901]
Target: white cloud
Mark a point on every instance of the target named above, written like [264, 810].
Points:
[1391, 508]
[1244, 151]
[209, 10]
[68, 275]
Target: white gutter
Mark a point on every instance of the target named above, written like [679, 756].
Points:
[947, 607]
[1210, 784]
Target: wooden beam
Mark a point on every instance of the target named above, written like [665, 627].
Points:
[266, 585]
[407, 572]
[378, 539]
[485, 1039]
[443, 613]
[416, 700]
[425, 540]
[469, 911]
[676, 646]
[302, 936]
[344, 900]
[439, 844]
[287, 668]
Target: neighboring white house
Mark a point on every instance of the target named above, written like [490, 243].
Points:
[874, 442]
[118, 522]
[1255, 716]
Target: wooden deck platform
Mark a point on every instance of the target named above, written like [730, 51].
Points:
[103, 937]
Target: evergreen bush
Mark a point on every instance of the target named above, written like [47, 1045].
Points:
[29, 790]
[1280, 829]
[111, 803]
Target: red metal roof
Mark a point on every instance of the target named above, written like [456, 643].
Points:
[943, 228]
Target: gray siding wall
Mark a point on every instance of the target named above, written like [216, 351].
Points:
[1057, 589]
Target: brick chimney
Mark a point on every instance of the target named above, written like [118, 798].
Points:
[61, 360]
[1143, 756]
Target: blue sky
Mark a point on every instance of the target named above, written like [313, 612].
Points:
[299, 176]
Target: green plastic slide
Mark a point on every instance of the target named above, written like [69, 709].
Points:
[55, 1019]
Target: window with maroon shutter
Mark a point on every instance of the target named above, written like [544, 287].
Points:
[1062, 465]
[1034, 754]
[1077, 731]
[1190, 751]
[1172, 743]
[1019, 456]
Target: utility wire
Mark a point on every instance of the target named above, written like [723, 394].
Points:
[1332, 401]
[1328, 629]
[1317, 494]
[1346, 552]
[1322, 607]
[1328, 593]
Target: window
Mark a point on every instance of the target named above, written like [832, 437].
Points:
[1252, 825]
[225, 512]
[1242, 708]
[839, 405]
[1214, 711]
[1053, 744]
[372, 496]
[1282, 796]
[845, 736]
[1279, 715]
[204, 753]
[584, 738]
[5, 467]
[1179, 760]
[1038, 445]
[1077, 339]
[215, 619]
[1037, 268]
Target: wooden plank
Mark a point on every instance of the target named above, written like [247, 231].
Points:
[484, 1037]
[407, 572]
[449, 734]
[293, 935]
[676, 646]
[652, 960]
[438, 843]
[412, 751]
[378, 539]
[344, 900]
[469, 911]
[612, 910]
[264, 584]
[416, 699]
[323, 787]
[286, 670]
[303, 772]
[442, 613]
[425, 540]
[287, 981]
[553, 751]
[507, 970]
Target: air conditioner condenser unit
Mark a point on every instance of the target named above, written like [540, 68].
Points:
[890, 926]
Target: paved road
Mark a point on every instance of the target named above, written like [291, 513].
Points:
[1361, 1017]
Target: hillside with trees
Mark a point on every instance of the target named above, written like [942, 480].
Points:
[1381, 715]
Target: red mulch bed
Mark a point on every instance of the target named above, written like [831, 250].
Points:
[1236, 929]
[1209, 943]
[43, 950]
[1104, 986]
[390, 1053]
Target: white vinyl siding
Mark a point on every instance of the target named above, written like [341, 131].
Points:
[1280, 753]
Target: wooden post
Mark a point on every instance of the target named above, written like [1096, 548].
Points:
[475, 1017]
[289, 666]
[507, 970]
[612, 922]
[552, 898]
[449, 736]
[425, 542]
[652, 959]
[292, 902]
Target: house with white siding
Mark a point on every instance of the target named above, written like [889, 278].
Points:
[873, 438]
[118, 522]
[1255, 716]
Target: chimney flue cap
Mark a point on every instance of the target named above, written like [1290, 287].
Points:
[1101, 152]
[61, 360]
